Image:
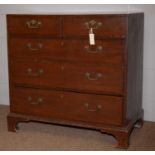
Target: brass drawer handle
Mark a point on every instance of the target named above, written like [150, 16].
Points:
[38, 100]
[38, 47]
[89, 49]
[93, 76]
[92, 24]
[88, 108]
[37, 73]
[33, 24]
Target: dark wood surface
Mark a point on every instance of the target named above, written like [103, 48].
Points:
[71, 76]
[74, 26]
[50, 25]
[56, 75]
[67, 105]
[112, 51]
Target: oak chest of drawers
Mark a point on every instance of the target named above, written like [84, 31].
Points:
[58, 75]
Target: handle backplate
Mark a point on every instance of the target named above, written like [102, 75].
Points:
[90, 109]
[93, 76]
[93, 24]
[96, 49]
[34, 48]
[33, 24]
[38, 72]
[34, 102]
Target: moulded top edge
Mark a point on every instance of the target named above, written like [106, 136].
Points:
[79, 13]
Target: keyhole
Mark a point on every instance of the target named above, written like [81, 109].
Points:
[61, 96]
[62, 43]
[62, 68]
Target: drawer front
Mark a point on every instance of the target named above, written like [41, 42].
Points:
[66, 105]
[71, 76]
[105, 51]
[103, 26]
[34, 25]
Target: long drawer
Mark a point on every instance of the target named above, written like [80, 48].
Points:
[107, 26]
[67, 105]
[71, 76]
[105, 51]
[36, 25]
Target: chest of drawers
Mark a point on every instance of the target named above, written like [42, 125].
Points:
[57, 76]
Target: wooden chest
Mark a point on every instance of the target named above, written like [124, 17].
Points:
[58, 75]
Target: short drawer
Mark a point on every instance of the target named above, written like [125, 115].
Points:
[67, 105]
[34, 25]
[70, 76]
[106, 26]
[105, 51]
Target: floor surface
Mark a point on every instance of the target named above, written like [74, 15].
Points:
[39, 136]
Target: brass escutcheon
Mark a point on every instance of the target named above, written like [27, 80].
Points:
[92, 24]
[33, 24]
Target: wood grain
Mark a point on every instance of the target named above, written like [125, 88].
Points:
[71, 76]
[50, 25]
[111, 52]
[112, 26]
[67, 105]
[56, 76]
